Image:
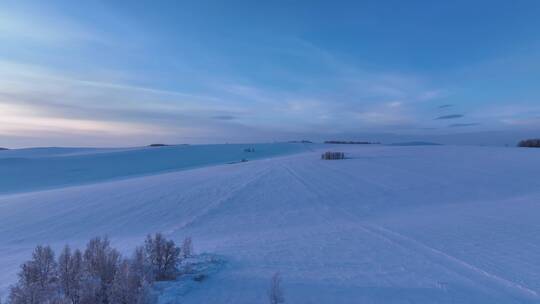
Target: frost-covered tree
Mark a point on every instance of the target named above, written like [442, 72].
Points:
[70, 274]
[98, 276]
[140, 265]
[162, 256]
[187, 247]
[275, 293]
[37, 279]
[130, 286]
[101, 263]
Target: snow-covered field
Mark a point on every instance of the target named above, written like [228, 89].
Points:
[391, 224]
[46, 168]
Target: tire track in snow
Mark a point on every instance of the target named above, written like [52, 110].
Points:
[311, 189]
[218, 202]
[448, 262]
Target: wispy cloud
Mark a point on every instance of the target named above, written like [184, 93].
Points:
[451, 116]
[224, 117]
[28, 26]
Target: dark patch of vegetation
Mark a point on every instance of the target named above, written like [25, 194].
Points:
[99, 275]
[200, 277]
[529, 143]
[332, 155]
[300, 142]
[243, 160]
[344, 142]
[158, 145]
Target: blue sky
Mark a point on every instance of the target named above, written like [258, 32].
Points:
[113, 73]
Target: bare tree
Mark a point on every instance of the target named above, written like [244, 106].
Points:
[101, 264]
[140, 266]
[99, 276]
[70, 274]
[275, 293]
[163, 256]
[37, 279]
[187, 247]
[125, 286]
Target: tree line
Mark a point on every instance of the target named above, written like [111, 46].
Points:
[529, 143]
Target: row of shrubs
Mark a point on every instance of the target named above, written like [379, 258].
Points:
[100, 274]
[530, 143]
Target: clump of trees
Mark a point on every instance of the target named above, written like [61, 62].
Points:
[529, 143]
[333, 155]
[99, 274]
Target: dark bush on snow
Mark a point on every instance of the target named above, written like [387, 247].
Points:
[529, 143]
[333, 155]
[99, 275]
[162, 256]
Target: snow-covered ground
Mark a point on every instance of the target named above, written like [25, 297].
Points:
[46, 168]
[391, 224]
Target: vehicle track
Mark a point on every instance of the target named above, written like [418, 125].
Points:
[435, 256]
[219, 202]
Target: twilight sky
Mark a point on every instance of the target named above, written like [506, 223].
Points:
[117, 73]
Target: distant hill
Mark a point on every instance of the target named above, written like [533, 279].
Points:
[3, 149]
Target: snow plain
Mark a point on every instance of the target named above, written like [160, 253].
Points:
[391, 224]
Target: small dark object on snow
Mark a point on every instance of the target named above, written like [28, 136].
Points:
[249, 150]
[333, 155]
[200, 277]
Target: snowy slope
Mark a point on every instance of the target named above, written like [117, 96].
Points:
[45, 168]
[426, 224]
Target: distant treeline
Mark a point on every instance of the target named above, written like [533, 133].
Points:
[350, 142]
[300, 142]
[158, 145]
[529, 143]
